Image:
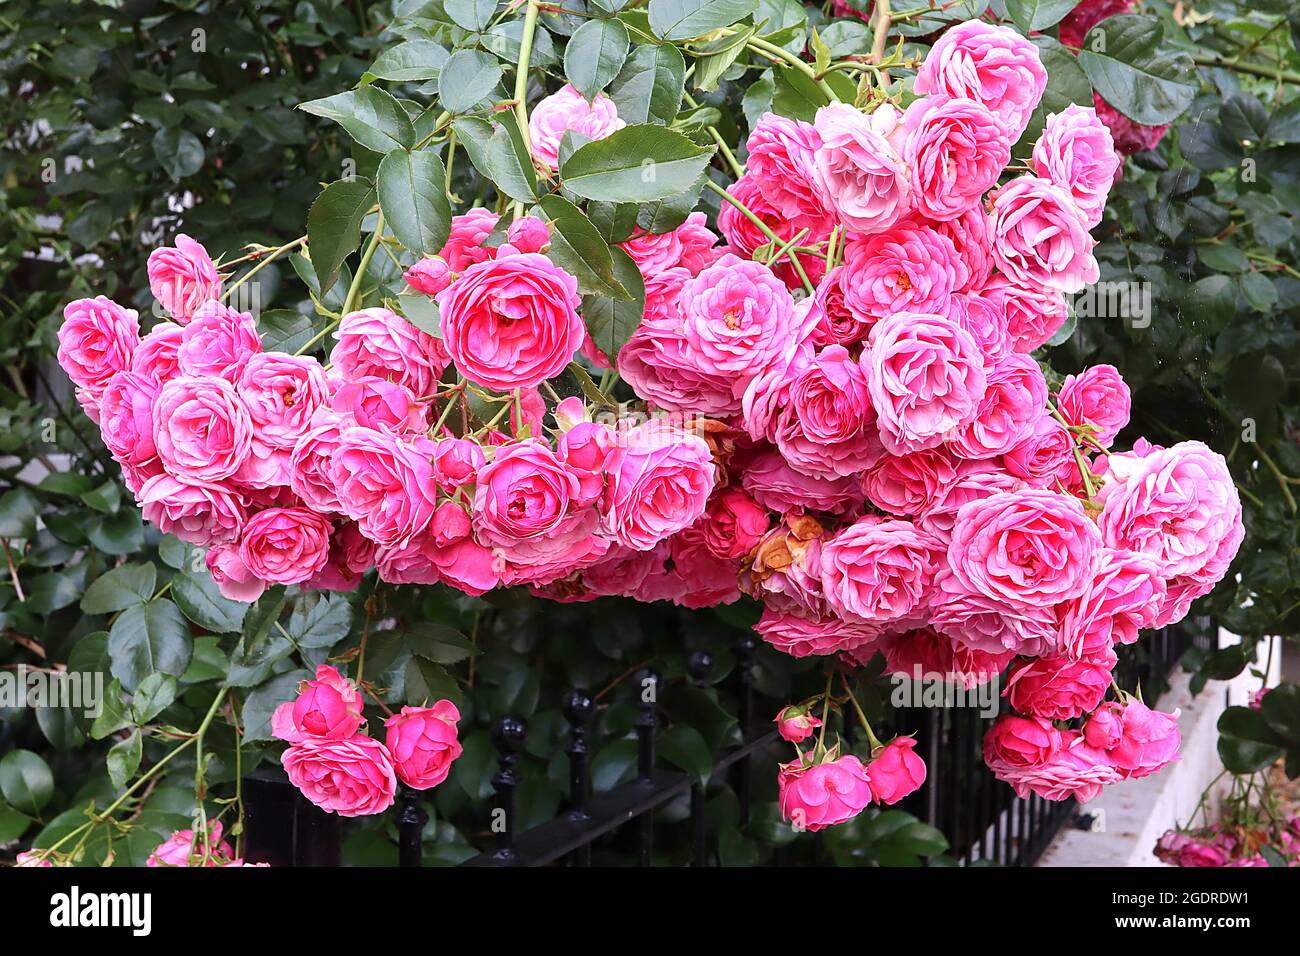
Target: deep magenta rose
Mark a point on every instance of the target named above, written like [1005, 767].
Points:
[801, 635]
[895, 771]
[423, 743]
[352, 778]
[816, 796]
[285, 545]
[796, 724]
[327, 707]
[922, 652]
[1057, 688]
[733, 524]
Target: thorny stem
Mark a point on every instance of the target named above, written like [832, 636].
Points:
[762, 227]
[262, 264]
[772, 51]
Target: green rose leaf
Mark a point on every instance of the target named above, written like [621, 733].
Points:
[372, 117]
[119, 589]
[178, 151]
[686, 19]
[1038, 14]
[124, 759]
[639, 163]
[611, 322]
[411, 61]
[334, 226]
[199, 599]
[26, 781]
[468, 78]
[1124, 61]
[413, 197]
[578, 248]
[595, 54]
[148, 638]
[648, 89]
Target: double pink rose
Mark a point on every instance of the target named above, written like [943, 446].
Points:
[183, 277]
[1039, 238]
[186, 848]
[381, 343]
[910, 268]
[733, 524]
[384, 484]
[198, 512]
[217, 341]
[816, 796]
[895, 771]
[423, 743]
[96, 341]
[955, 151]
[327, 707]
[879, 570]
[660, 479]
[796, 724]
[352, 777]
[862, 177]
[568, 110]
[202, 428]
[1076, 152]
[1137, 740]
[285, 545]
[1099, 397]
[1014, 401]
[782, 162]
[829, 425]
[1057, 688]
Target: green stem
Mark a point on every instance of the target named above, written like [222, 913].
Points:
[862, 717]
[762, 227]
[355, 289]
[771, 50]
[521, 74]
[723, 148]
[1268, 72]
[262, 264]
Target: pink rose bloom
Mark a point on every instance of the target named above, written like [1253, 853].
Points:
[568, 110]
[804, 636]
[986, 323]
[955, 151]
[381, 343]
[456, 462]
[384, 484]
[157, 355]
[183, 277]
[1044, 458]
[778, 487]
[1029, 547]
[423, 743]
[834, 323]
[588, 447]
[910, 484]
[782, 161]
[202, 428]
[796, 724]
[184, 847]
[311, 469]
[327, 707]
[768, 394]
[1076, 152]
[1039, 237]
[982, 623]
[926, 378]
[527, 509]
[663, 368]
[699, 578]
[429, 276]
[528, 234]
[879, 570]
[1056, 688]
[733, 524]
[1139, 741]
[126, 418]
[1031, 314]
[816, 796]
[352, 778]
[512, 321]
[1075, 769]
[281, 393]
[197, 512]
[972, 484]
[924, 652]
[285, 545]
[1179, 507]
[660, 479]
[1129, 137]
[468, 566]
[1179, 849]
[969, 235]
[96, 341]
[233, 578]
[378, 403]
[1020, 743]
[1125, 596]
[465, 244]
[217, 341]
[1012, 405]
[895, 771]
[908, 269]
[691, 246]
[829, 427]
[862, 177]
[992, 64]
[1097, 396]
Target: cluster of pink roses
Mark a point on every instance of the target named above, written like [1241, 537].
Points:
[1224, 844]
[344, 771]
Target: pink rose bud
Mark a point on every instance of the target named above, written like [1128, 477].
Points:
[895, 771]
[816, 796]
[31, 859]
[327, 707]
[430, 275]
[528, 234]
[796, 724]
[423, 743]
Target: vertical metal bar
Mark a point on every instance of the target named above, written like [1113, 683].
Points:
[411, 819]
[646, 723]
[934, 730]
[745, 646]
[579, 707]
[699, 665]
[508, 735]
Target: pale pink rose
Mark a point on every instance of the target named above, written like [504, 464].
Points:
[775, 485]
[285, 545]
[802, 635]
[863, 179]
[465, 244]
[202, 428]
[879, 570]
[384, 484]
[1074, 769]
[972, 484]
[907, 269]
[1012, 405]
[926, 377]
[352, 778]
[218, 341]
[1179, 507]
[1129, 137]
[982, 623]
[281, 393]
[1032, 314]
[528, 234]
[660, 479]
[512, 321]
[381, 343]
[423, 743]
[126, 418]
[527, 509]
[1097, 396]
[829, 426]
[1018, 743]
[1125, 596]
[197, 512]
[183, 277]
[1076, 152]
[1029, 547]
[311, 471]
[157, 355]
[910, 484]
[796, 724]
[327, 707]
[571, 412]
[1039, 237]
[969, 235]
[816, 796]
[1044, 457]
[955, 151]
[782, 161]
[1139, 741]
[1056, 688]
[895, 771]
[96, 341]
[378, 403]
[456, 462]
[429, 276]
[233, 578]
[733, 524]
[588, 447]
[567, 110]
[186, 848]
[835, 324]
[992, 64]
[986, 323]
[923, 652]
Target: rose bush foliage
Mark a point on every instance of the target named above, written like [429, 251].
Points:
[507, 303]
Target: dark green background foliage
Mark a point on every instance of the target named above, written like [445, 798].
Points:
[147, 134]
